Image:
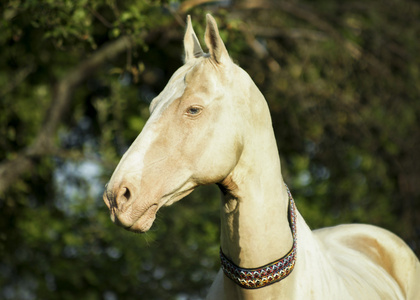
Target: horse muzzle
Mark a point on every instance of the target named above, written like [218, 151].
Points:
[126, 212]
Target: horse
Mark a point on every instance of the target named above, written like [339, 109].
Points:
[212, 125]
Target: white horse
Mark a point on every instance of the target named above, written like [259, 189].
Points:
[211, 124]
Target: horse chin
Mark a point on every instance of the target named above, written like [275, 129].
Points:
[141, 228]
[144, 222]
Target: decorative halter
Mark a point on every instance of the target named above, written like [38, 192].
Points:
[276, 271]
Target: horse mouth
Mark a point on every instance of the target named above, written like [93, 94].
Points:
[139, 225]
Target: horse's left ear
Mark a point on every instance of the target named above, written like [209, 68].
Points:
[214, 42]
[191, 44]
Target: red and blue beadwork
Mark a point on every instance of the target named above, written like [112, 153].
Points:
[271, 273]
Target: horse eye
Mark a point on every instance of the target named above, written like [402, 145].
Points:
[194, 110]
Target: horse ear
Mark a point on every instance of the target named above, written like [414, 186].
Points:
[191, 44]
[214, 42]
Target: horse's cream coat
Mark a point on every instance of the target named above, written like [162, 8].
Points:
[211, 124]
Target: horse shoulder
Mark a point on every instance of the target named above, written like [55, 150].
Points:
[361, 248]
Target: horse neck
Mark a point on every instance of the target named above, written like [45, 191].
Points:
[255, 228]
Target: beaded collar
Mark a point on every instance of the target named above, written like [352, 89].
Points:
[271, 273]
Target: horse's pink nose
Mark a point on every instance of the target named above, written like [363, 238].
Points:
[123, 195]
[116, 197]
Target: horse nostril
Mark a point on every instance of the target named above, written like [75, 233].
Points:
[127, 194]
[124, 195]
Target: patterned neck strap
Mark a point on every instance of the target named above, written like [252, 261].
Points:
[271, 273]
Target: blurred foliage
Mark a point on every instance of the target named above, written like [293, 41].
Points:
[342, 80]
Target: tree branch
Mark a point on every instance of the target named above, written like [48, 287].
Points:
[20, 76]
[305, 15]
[187, 5]
[43, 145]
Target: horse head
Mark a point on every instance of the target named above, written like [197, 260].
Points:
[194, 136]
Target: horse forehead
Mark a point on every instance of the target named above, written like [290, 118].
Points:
[198, 78]
[204, 79]
[173, 90]
[176, 84]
